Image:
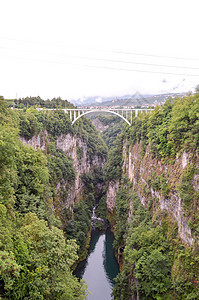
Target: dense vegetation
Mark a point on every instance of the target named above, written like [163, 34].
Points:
[27, 102]
[40, 237]
[113, 168]
[155, 263]
[169, 129]
[115, 125]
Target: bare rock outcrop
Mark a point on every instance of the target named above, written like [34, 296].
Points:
[140, 171]
[71, 145]
[84, 164]
[112, 190]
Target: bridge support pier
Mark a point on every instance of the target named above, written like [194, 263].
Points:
[136, 113]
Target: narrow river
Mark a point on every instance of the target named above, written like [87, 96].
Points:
[100, 267]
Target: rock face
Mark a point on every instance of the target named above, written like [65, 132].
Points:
[144, 172]
[112, 190]
[38, 141]
[99, 125]
[70, 145]
[140, 171]
[76, 148]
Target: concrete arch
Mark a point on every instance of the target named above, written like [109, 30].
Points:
[101, 110]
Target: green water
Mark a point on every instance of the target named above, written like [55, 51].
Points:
[100, 268]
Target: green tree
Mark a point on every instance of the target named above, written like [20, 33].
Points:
[153, 273]
[47, 259]
[8, 174]
[33, 180]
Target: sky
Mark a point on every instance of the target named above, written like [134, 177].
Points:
[82, 48]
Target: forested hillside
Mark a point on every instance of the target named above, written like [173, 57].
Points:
[28, 102]
[42, 233]
[152, 197]
[51, 174]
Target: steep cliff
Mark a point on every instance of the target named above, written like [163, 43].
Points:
[36, 252]
[154, 200]
[99, 125]
[111, 193]
[158, 163]
[77, 149]
[74, 147]
[154, 180]
[37, 141]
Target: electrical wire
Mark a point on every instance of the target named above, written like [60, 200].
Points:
[112, 61]
[156, 55]
[104, 67]
[119, 61]
[97, 49]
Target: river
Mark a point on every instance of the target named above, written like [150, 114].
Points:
[100, 267]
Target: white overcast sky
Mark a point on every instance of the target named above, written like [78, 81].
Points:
[80, 48]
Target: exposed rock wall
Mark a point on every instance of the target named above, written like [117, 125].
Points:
[38, 141]
[112, 190]
[140, 171]
[69, 144]
[99, 125]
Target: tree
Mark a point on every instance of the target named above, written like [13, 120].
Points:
[46, 259]
[153, 273]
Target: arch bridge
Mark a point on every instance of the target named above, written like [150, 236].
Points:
[126, 114]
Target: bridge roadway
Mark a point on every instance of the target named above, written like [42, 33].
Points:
[126, 114]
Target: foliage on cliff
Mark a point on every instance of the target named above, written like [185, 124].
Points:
[61, 169]
[168, 129]
[35, 256]
[60, 166]
[88, 133]
[113, 168]
[115, 125]
[156, 264]
[56, 123]
[32, 122]
[35, 260]
[168, 133]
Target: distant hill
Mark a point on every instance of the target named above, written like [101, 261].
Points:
[126, 100]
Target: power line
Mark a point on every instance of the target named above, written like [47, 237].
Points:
[119, 61]
[105, 67]
[112, 51]
[156, 55]
[133, 62]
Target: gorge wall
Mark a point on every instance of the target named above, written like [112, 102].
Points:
[83, 164]
[144, 173]
[152, 197]
[74, 147]
[140, 171]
